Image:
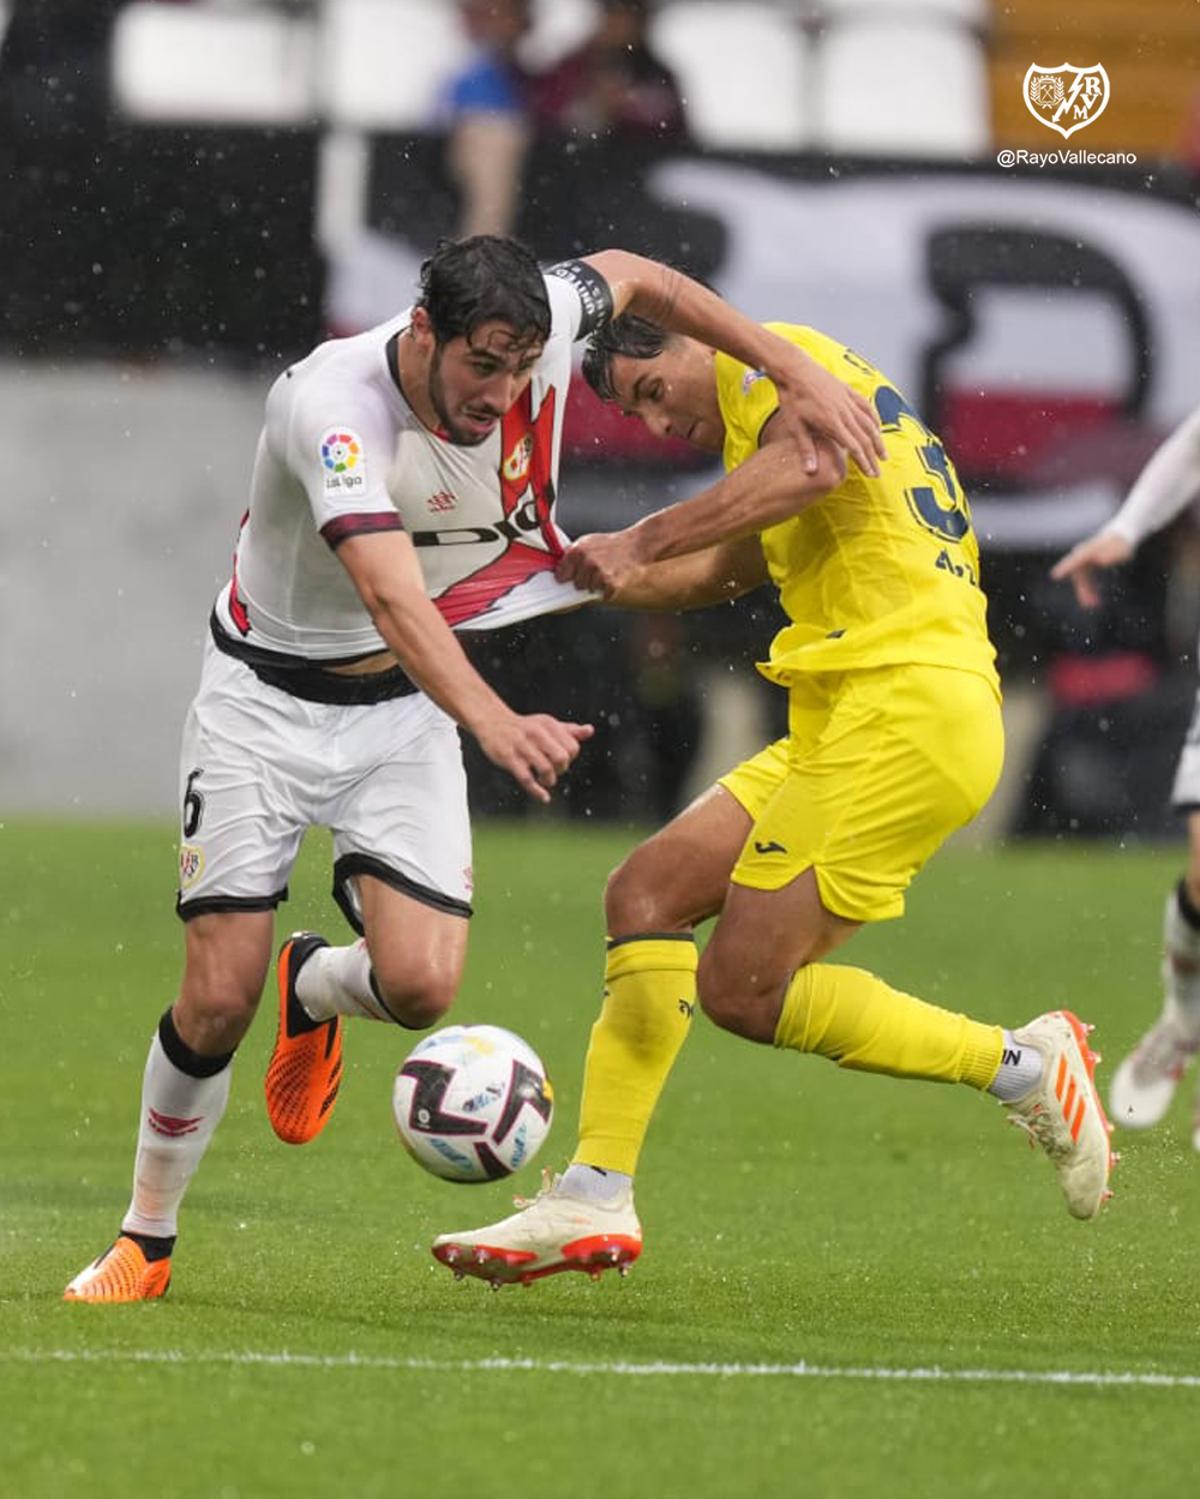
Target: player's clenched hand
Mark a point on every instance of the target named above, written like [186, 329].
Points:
[1082, 562]
[813, 404]
[534, 748]
[600, 563]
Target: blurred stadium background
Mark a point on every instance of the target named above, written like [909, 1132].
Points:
[195, 192]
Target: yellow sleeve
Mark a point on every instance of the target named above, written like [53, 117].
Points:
[747, 399]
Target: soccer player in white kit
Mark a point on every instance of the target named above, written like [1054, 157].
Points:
[404, 488]
[1144, 1084]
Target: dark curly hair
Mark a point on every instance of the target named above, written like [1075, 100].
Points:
[467, 282]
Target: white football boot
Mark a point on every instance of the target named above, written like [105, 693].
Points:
[1062, 1112]
[550, 1232]
[1145, 1082]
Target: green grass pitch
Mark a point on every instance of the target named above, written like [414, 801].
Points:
[815, 1239]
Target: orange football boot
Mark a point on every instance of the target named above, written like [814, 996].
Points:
[122, 1273]
[305, 1070]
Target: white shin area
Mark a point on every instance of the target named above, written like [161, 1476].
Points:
[179, 1116]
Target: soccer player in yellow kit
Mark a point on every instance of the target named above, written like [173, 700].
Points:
[894, 740]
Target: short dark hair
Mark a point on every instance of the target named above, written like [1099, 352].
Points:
[467, 282]
[635, 337]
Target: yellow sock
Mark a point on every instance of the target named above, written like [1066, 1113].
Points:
[649, 1000]
[857, 1021]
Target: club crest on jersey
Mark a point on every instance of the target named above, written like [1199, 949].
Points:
[751, 378]
[516, 465]
[191, 864]
[343, 460]
[1066, 98]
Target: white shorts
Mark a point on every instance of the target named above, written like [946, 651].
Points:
[258, 767]
[1185, 794]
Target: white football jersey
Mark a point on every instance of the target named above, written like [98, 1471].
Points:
[342, 453]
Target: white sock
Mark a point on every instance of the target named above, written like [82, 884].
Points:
[337, 981]
[1181, 967]
[1020, 1068]
[179, 1114]
[593, 1184]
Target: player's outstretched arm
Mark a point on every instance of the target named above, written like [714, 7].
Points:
[1167, 483]
[714, 576]
[766, 489]
[534, 748]
[812, 403]
[1086, 559]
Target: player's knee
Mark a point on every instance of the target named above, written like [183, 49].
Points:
[223, 977]
[637, 898]
[215, 1007]
[417, 997]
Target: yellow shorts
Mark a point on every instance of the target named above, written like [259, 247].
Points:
[878, 769]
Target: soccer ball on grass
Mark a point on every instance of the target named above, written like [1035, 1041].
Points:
[472, 1103]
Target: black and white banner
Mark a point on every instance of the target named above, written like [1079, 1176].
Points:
[1047, 329]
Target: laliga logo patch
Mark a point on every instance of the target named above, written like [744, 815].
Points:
[516, 465]
[343, 460]
[751, 377]
[340, 452]
[1066, 98]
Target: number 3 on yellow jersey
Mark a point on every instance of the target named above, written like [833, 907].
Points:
[941, 507]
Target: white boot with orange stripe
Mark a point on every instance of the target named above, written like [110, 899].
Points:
[1062, 1111]
[552, 1232]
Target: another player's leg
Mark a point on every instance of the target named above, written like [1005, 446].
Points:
[1043, 1073]
[1144, 1084]
[585, 1219]
[901, 759]
[184, 1092]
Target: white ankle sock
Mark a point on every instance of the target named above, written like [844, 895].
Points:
[1020, 1068]
[179, 1114]
[337, 981]
[593, 1184]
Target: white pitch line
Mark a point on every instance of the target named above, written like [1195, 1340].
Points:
[177, 1358]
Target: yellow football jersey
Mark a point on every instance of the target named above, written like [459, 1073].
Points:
[878, 571]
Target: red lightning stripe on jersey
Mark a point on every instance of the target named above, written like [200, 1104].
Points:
[526, 469]
[237, 609]
[537, 477]
[475, 595]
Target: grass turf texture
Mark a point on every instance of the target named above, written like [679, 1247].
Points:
[792, 1212]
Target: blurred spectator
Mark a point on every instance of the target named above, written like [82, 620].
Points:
[486, 111]
[613, 84]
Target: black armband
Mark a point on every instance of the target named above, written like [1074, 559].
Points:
[592, 289]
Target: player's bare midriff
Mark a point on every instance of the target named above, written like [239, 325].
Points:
[382, 661]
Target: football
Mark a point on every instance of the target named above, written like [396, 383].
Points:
[473, 1103]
